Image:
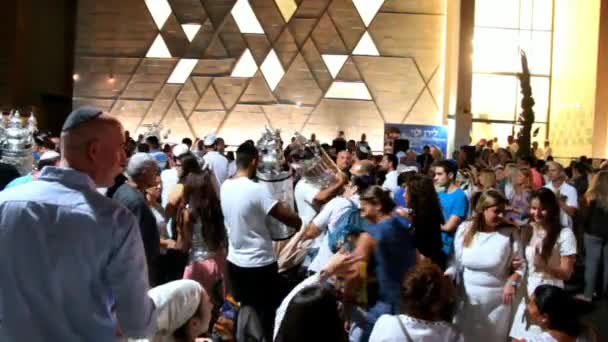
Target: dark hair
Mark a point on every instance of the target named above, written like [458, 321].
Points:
[379, 196]
[447, 166]
[427, 294]
[312, 315]
[204, 202]
[153, 141]
[560, 308]
[189, 165]
[187, 142]
[427, 218]
[143, 148]
[404, 177]
[553, 226]
[245, 154]
[392, 159]
[529, 160]
[581, 167]
[181, 333]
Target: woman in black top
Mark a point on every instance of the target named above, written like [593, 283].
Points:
[596, 234]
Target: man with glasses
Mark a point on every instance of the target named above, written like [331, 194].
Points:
[142, 172]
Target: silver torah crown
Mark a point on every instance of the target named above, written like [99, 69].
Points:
[156, 130]
[17, 141]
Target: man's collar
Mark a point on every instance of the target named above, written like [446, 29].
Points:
[68, 177]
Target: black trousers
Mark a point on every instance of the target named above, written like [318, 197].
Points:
[260, 288]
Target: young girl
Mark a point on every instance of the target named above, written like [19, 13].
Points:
[550, 254]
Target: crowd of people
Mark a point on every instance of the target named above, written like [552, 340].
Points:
[113, 238]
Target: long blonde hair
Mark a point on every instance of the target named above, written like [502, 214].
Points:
[488, 199]
[528, 174]
[598, 189]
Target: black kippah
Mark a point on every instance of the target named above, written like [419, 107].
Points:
[80, 116]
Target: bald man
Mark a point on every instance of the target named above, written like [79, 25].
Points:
[69, 254]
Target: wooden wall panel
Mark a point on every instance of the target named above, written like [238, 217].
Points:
[114, 37]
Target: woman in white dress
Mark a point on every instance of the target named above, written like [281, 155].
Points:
[550, 254]
[484, 250]
[428, 301]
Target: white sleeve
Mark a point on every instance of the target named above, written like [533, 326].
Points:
[322, 219]
[265, 199]
[310, 192]
[572, 197]
[566, 242]
[387, 329]
[455, 264]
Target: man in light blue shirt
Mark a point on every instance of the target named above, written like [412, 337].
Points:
[71, 256]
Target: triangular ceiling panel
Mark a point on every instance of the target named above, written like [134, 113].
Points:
[366, 46]
[368, 9]
[130, 113]
[286, 48]
[159, 49]
[216, 49]
[349, 72]
[161, 103]
[436, 87]
[175, 37]
[329, 117]
[298, 85]
[327, 39]
[258, 45]
[424, 112]
[257, 92]
[301, 29]
[316, 64]
[206, 122]
[422, 7]
[287, 8]
[420, 36]
[188, 97]
[159, 10]
[288, 119]
[191, 30]
[188, 11]
[201, 83]
[311, 8]
[217, 10]
[201, 41]
[229, 89]
[149, 78]
[394, 82]
[334, 63]
[347, 22]
[249, 116]
[178, 124]
[232, 38]
[269, 16]
[210, 101]
[245, 66]
[214, 67]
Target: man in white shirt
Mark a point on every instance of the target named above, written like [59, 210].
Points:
[389, 165]
[169, 178]
[217, 162]
[252, 264]
[566, 193]
[325, 223]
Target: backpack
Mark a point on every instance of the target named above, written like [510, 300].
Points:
[349, 223]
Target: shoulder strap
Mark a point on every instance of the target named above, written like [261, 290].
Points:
[404, 330]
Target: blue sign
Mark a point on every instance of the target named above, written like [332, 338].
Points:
[418, 135]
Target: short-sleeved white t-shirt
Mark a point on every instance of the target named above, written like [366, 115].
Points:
[218, 164]
[245, 205]
[565, 190]
[326, 221]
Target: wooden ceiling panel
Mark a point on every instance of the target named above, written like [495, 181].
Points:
[347, 21]
[349, 72]
[311, 8]
[244, 118]
[393, 82]
[232, 38]
[174, 119]
[174, 37]
[161, 103]
[259, 46]
[149, 78]
[269, 17]
[188, 11]
[201, 41]
[210, 102]
[214, 67]
[415, 6]
[301, 29]
[425, 111]
[286, 48]
[316, 65]
[217, 10]
[229, 89]
[204, 123]
[188, 97]
[298, 85]
[257, 91]
[327, 39]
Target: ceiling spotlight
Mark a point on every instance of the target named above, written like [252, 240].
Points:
[76, 77]
[111, 79]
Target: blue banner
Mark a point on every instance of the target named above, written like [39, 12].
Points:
[418, 135]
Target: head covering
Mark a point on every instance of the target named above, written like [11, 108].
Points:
[180, 149]
[80, 116]
[210, 139]
[48, 155]
[400, 155]
[176, 302]
[406, 168]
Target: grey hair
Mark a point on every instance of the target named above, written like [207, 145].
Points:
[139, 163]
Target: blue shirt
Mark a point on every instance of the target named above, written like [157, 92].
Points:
[68, 254]
[21, 180]
[394, 255]
[160, 157]
[399, 197]
[454, 203]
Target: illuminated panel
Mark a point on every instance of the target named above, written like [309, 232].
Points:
[159, 49]
[366, 46]
[246, 66]
[287, 8]
[160, 11]
[245, 18]
[348, 90]
[182, 71]
[191, 30]
[272, 70]
[368, 9]
[334, 63]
